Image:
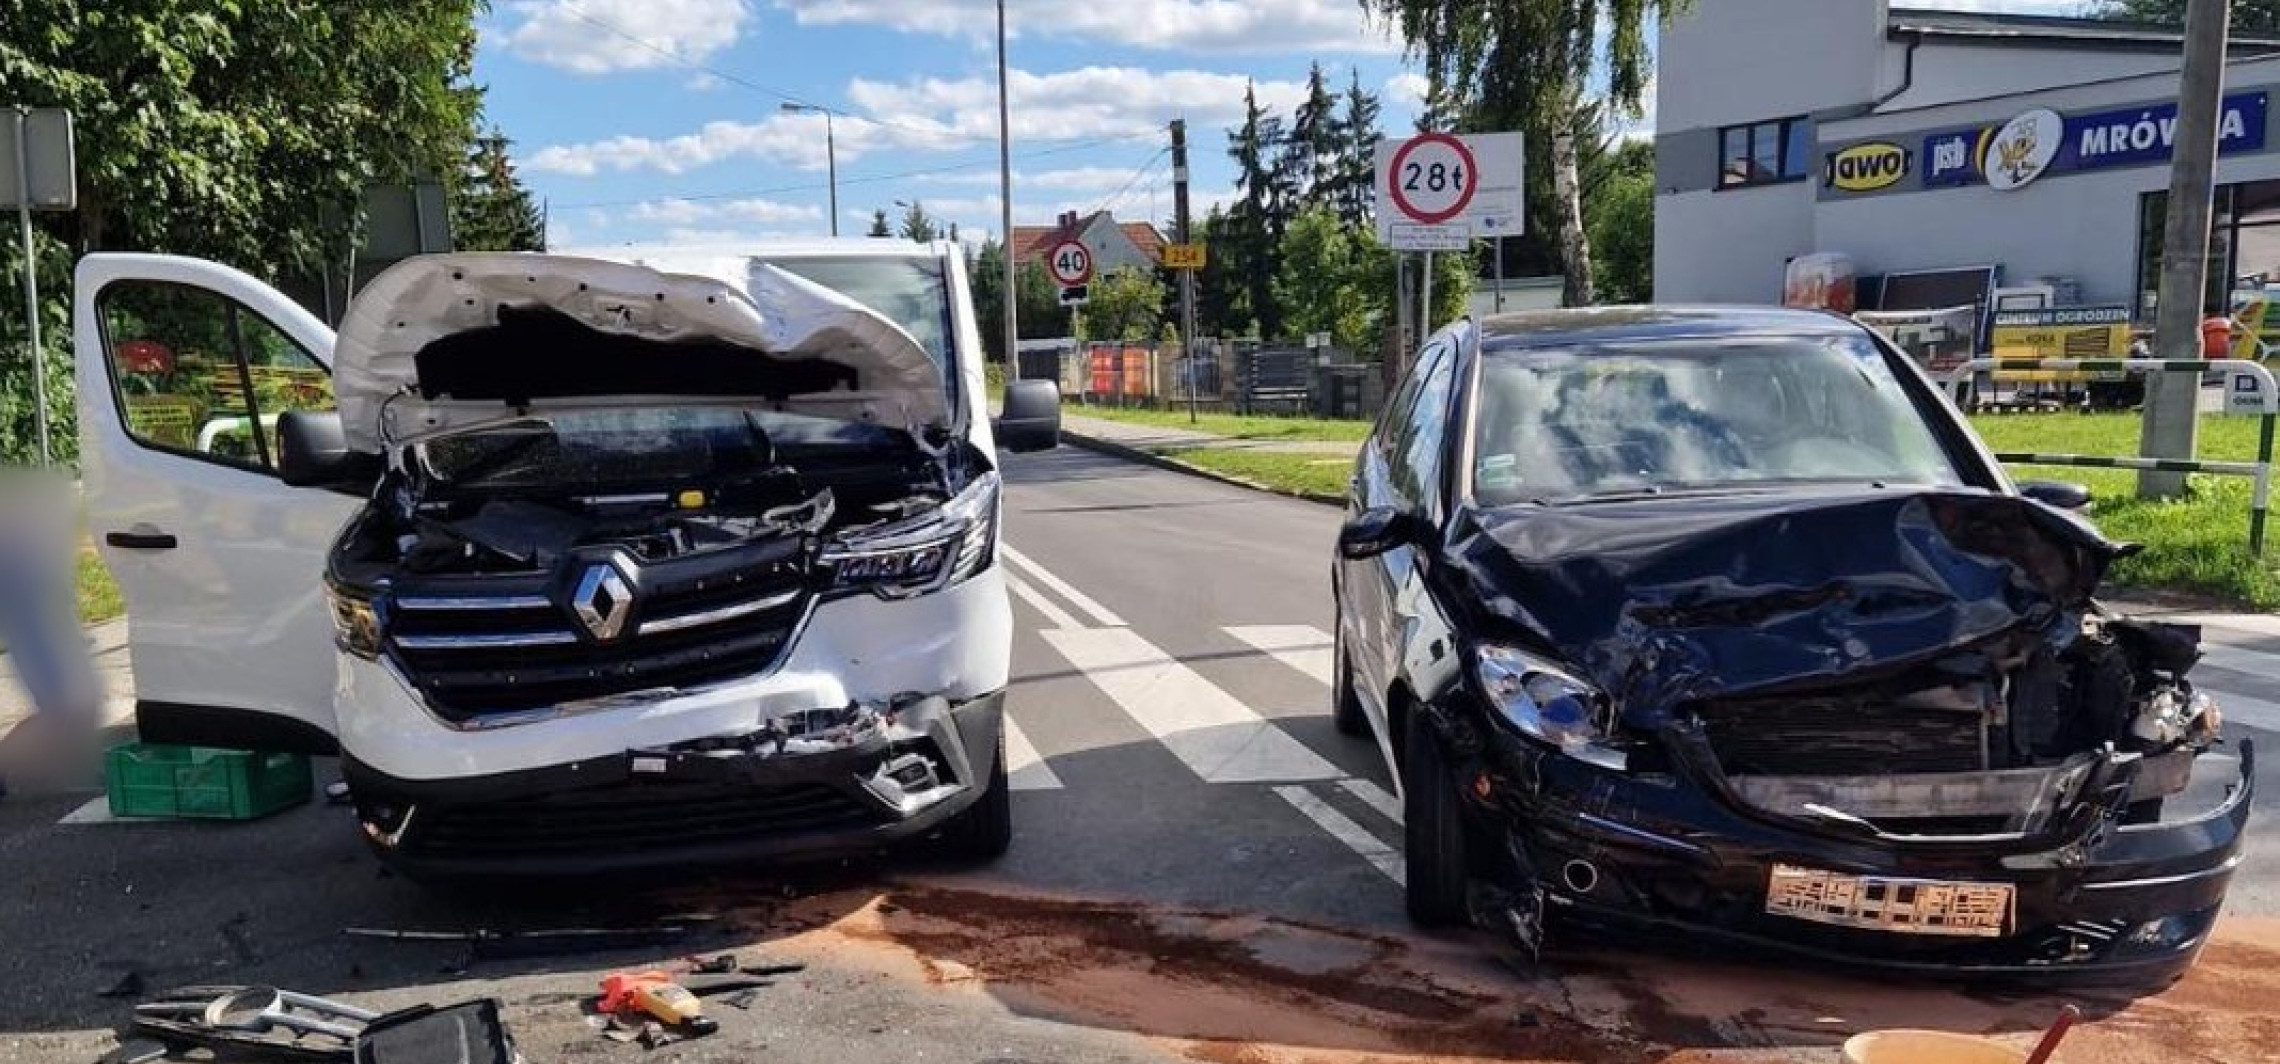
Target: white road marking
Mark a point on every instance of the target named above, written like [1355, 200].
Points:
[2264, 624]
[1057, 616]
[2257, 663]
[1213, 732]
[1302, 647]
[1375, 797]
[2242, 709]
[1083, 602]
[1382, 857]
[1025, 769]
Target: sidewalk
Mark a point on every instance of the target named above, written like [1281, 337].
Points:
[108, 642]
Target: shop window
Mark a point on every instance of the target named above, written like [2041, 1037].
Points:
[2226, 230]
[1763, 153]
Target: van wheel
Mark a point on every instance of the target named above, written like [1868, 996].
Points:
[1345, 707]
[985, 830]
[1433, 837]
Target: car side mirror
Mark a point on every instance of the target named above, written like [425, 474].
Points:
[2056, 493]
[1031, 420]
[312, 452]
[1380, 529]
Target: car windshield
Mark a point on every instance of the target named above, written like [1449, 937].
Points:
[643, 446]
[910, 292]
[1654, 416]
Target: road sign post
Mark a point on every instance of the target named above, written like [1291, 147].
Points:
[1071, 264]
[42, 176]
[1444, 191]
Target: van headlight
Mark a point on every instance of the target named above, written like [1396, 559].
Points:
[942, 548]
[356, 623]
[1546, 704]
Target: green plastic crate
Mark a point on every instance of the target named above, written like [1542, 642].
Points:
[148, 780]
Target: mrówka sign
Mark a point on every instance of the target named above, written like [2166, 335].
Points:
[2131, 137]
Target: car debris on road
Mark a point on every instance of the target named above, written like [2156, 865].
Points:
[270, 1023]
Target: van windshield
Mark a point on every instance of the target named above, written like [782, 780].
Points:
[1571, 424]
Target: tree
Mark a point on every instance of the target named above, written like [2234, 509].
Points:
[2260, 17]
[1038, 305]
[1620, 203]
[1222, 308]
[1312, 153]
[492, 211]
[1353, 182]
[1126, 303]
[1523, 64]
[879, 226]
[246, 132]
[1328, 280]
[1037, 302]
[1255, 223]
[917, 224]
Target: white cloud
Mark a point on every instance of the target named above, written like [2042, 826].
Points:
[1216, 26]
[601, 36]
[760, 211]
[1407, 89]
[940, 115]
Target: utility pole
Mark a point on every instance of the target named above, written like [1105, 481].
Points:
[1187, 277]
[1005, 204]
[2172, 400]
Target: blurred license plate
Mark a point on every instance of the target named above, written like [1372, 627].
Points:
[1907, 906]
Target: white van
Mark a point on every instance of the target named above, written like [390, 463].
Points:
[579, 563]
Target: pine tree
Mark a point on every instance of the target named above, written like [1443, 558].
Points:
[1313, 150]
[917, 224]
[879, 225]
[1353, 189]
[1255, 225]
[493, 211]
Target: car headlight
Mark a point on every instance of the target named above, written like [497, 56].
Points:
[1545, 704]
[356, 624]
[932, 551]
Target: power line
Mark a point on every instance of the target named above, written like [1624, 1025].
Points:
[866, 179]
[1145, 167]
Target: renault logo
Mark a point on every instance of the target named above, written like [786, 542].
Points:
[603, 600]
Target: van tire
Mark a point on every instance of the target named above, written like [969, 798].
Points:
[984, 831]
[1433, 834]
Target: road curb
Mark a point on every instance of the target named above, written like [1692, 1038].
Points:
[1150, 458]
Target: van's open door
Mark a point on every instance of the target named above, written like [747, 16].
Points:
[183, 368]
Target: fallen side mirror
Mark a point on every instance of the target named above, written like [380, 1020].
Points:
[1378, 530]
[2055, 493]
[312, 452]
[1031, 420]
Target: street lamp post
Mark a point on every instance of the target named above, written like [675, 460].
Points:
[1005, 202]
[830, 155]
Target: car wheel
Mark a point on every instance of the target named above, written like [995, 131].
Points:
[1433, 838]
[985, 830]
[1345, 706]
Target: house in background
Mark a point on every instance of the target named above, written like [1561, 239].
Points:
[1113, 244]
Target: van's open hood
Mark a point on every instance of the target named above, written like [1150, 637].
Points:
[442, 342]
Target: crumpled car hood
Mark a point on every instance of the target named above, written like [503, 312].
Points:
[1665, 601]
[443, 342]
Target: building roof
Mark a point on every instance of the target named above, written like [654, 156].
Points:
[2046, 30]
[1033, 241]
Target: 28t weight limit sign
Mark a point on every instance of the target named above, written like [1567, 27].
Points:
[1434, 178]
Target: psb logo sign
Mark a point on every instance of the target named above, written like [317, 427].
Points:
[1868, 167]
[2021, 150]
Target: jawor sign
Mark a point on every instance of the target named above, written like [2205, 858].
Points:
[2129, 137]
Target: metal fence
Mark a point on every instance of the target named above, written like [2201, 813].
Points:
[2268, 400]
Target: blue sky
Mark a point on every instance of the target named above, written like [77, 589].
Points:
[645, 120]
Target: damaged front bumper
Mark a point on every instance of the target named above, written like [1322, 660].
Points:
[813, 784]
[1679, 855]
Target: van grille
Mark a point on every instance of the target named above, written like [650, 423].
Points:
[634, 817]
[481, 647]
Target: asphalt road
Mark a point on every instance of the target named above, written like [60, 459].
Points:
[1203, 869]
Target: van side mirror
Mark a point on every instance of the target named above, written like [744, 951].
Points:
[2055, 493]
[312, 452]
[1031, 420]
[1380, 529]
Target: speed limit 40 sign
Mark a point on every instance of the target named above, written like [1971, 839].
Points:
[1441, 187]
[1070, 263]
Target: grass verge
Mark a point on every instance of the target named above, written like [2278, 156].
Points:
[2196, 544]
[1233, 426]
[98, 596]
[1295, 474]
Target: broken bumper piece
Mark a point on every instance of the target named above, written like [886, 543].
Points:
[1678, 857]
[809, 785]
